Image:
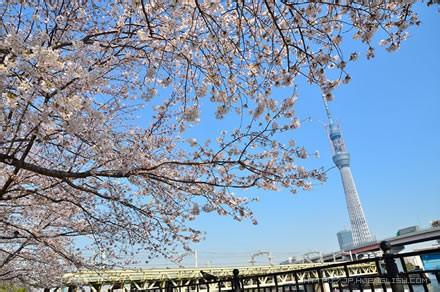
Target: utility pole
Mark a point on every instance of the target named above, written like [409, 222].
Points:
[196, 259]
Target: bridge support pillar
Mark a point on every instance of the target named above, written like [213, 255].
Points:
[317, 287]
[326, 287]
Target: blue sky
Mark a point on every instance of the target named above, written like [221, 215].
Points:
[390, 117]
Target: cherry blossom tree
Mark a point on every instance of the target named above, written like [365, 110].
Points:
[78, 77]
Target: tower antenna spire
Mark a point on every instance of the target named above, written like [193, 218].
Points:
[341, 158]
[327, 110]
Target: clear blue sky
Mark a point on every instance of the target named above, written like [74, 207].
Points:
[390, 116]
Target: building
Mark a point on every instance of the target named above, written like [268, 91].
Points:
[345, 239]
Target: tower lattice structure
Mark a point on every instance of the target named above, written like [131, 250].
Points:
[341, 158]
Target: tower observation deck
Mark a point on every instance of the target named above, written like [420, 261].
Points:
[341, 158]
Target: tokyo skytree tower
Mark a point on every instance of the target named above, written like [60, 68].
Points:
[341, 158]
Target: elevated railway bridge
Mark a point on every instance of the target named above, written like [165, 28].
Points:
[206, 279]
